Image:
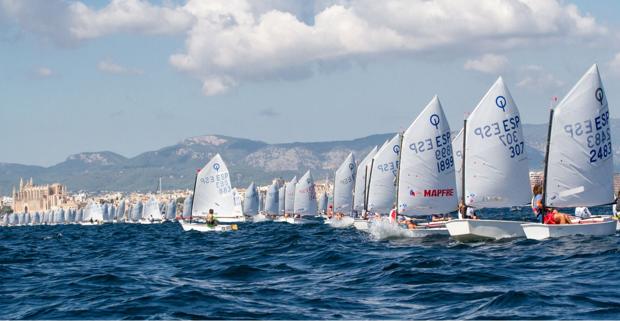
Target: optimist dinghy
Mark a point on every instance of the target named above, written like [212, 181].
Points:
[579, 160]
[359, 197]
[212, 191]
[344, 183]
[305, 203]
[493, 170]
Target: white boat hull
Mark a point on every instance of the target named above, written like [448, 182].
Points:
[201, 227]
[236, 219]
[424, 232]
[362, 225]
[465, 230]
[261, 218]
[291, 220]
[538, 231]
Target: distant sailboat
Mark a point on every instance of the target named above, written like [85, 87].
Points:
[579, 166]
[495, 173]
[281, 199]
[271, 200]
[381, 189]
[171, 210]
[289, 198]
[136, 212]
[305, 200]
[323, 200]
[360, 195]
[187, 207]
[250, 200]
[151, 213]
[120, 212]
[344, 184]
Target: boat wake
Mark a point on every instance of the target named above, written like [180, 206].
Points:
[344, 222]
[386, 230]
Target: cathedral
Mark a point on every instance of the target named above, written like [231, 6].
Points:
[39, 198]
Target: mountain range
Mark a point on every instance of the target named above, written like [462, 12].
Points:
[248, 160]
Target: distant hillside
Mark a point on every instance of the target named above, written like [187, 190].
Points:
[248, 161]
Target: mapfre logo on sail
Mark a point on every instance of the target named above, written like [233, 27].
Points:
[433, 192]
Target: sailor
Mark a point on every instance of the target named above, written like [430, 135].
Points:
[211, 221]
[616, 207]
[537, 206]
[393, 213]
[466, 212]
[554, 217]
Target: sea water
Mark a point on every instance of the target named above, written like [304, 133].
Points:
[281, 271]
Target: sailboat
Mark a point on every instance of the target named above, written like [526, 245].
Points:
[281, 199]
[271, 201]
[289, 196]
[579, 160]
[250, 201]
[494, 167]
[383, 170]
[323, 200]
[426, 184]
[305, 200]
[151, 213]
[187, 208]
[136, 212]
[93, 214]
[359, 196]
[213, 192]
[344, 183]
[171, 210]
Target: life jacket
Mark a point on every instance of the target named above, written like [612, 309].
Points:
[549, 218]
[393, 215]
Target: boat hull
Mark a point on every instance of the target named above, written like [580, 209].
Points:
[465, 230]
[201, 227]
[237, 219]
[538, 231]
[362, 225]
[297, 221]
[424, 232]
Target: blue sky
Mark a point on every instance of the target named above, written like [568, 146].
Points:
[131, 76]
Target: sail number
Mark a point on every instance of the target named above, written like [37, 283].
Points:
[597, 133]
[507, 132]
[220, 181]
[389, 167]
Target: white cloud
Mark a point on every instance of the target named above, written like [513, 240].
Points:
[44, 72]
[614, 64]
[489, 63]
[229, 42]
[536, 77]
[108, 66]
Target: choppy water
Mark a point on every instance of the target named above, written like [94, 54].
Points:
[282, 271]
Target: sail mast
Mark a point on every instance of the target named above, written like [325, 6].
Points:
[544, 193]
[191, 211]
[369, 176]
[400, 153]
[463, 166]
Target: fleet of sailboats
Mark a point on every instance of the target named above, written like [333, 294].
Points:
[421, 173]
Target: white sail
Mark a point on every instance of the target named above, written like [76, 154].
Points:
[120, 212]
[580, 160]
[344, 183]
[281, 199]
[382, 181]
[323, 200]
[361, 180]
[171, 210]
[289, 198]
[496, 164]
[136, 212]
[457, 153]
[94, 212]
[111, 213]
[151, 209]
[426, 183]
[187, 207]
[250, 201]
[271, 201]
[213, 191]
[305, 196]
